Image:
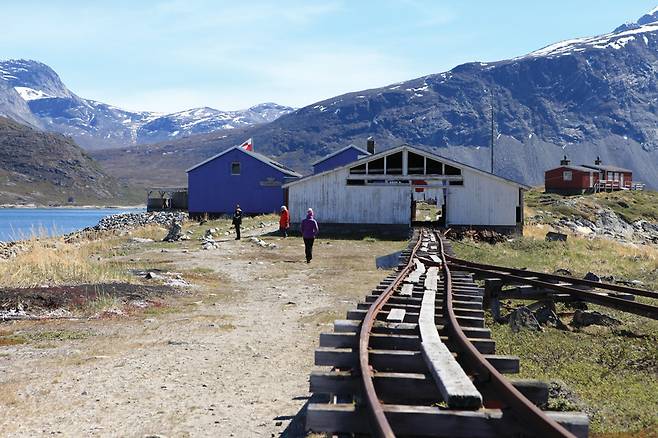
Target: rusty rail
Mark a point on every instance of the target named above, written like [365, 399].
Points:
[379, 424]
[522, 409]
[554, 277]
[637, 308]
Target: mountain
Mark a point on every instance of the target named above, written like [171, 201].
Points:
[31, 92]
[50, 169]
[586, 97]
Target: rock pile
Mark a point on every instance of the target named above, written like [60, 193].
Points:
[175, 233]
[609, 225]
[208, 239]
[487, 236]
[261, 242]
[11, 249]
[126, 221]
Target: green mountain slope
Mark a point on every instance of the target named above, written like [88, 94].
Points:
[50, 169]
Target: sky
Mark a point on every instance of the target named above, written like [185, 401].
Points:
[172, 55]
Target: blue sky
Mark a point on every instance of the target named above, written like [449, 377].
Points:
[171, 55]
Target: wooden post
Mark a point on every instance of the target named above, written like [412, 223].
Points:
[492, 288]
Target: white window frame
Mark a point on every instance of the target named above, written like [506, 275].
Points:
[567, 175]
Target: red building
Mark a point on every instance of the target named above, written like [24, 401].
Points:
[570, 180]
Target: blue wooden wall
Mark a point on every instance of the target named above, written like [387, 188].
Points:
[212, 189]
[347, 156]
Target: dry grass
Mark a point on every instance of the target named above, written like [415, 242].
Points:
[53, 262]
[579, 255]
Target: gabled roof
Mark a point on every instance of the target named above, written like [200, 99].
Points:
[606, 168]
[260, 157]
[572, 167]
[415, 151]
[351, 146]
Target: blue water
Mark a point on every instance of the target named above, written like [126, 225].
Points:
[23, 223]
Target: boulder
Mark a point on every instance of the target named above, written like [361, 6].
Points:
[552, 236]
[523, 317]
[584, 318]
[175, 232]
[590, 276]
[562, 271]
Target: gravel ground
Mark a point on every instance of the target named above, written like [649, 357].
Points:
[230, 359]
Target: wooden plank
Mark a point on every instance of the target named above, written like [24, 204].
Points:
[403, 328]
[418, 294]
[399, 360]
[431, 421]
[416, 308]
[464, 321]
[395, 315]
[388, 341]
[431, 279]
[409, 387]
[407, 290]
[455, 386]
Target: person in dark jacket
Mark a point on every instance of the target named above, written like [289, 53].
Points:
[237, 221]
[309, 231]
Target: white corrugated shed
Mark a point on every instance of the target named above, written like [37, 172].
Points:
[335, 202]
[364, 193]
[482, 201]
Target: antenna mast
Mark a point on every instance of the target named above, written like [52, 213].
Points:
[492, 129]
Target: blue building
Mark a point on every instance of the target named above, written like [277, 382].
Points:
[339, 158]
[237, 176]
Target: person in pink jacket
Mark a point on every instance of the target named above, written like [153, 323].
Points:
[309, 231]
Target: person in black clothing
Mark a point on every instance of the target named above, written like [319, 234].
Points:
[237, 221]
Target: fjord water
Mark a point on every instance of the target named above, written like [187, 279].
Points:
[23, 223]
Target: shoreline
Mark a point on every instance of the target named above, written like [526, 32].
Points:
[70, 207]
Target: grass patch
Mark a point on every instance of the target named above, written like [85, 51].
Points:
[24, 337]
[629, 205]
[53, 262]
[578, 255]
[613, 373]
[12, 339]
[614, 376]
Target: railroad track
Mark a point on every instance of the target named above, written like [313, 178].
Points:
[531, 285]
[415, 359]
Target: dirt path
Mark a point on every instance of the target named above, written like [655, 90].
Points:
[231, 360]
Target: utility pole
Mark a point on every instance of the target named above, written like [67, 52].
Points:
[492, 130]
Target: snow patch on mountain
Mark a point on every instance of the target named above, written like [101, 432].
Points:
[31, 94]
[612, 40]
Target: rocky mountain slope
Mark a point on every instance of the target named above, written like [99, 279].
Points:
[33, 93]
[582, 97]
[50, 169]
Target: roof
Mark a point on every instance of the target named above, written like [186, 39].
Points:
[340, 151]
[570, 167]
[414, 150]
[607, 168]
[260, 157]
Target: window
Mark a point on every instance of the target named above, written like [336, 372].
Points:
[450, 170]
[567, 175]
[376, 167]
[434, 167]
[416, 164]
[356, 182]
[394, 164]
[358, 170]
[235, 168]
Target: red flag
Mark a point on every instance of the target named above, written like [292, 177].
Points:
[248, 145]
